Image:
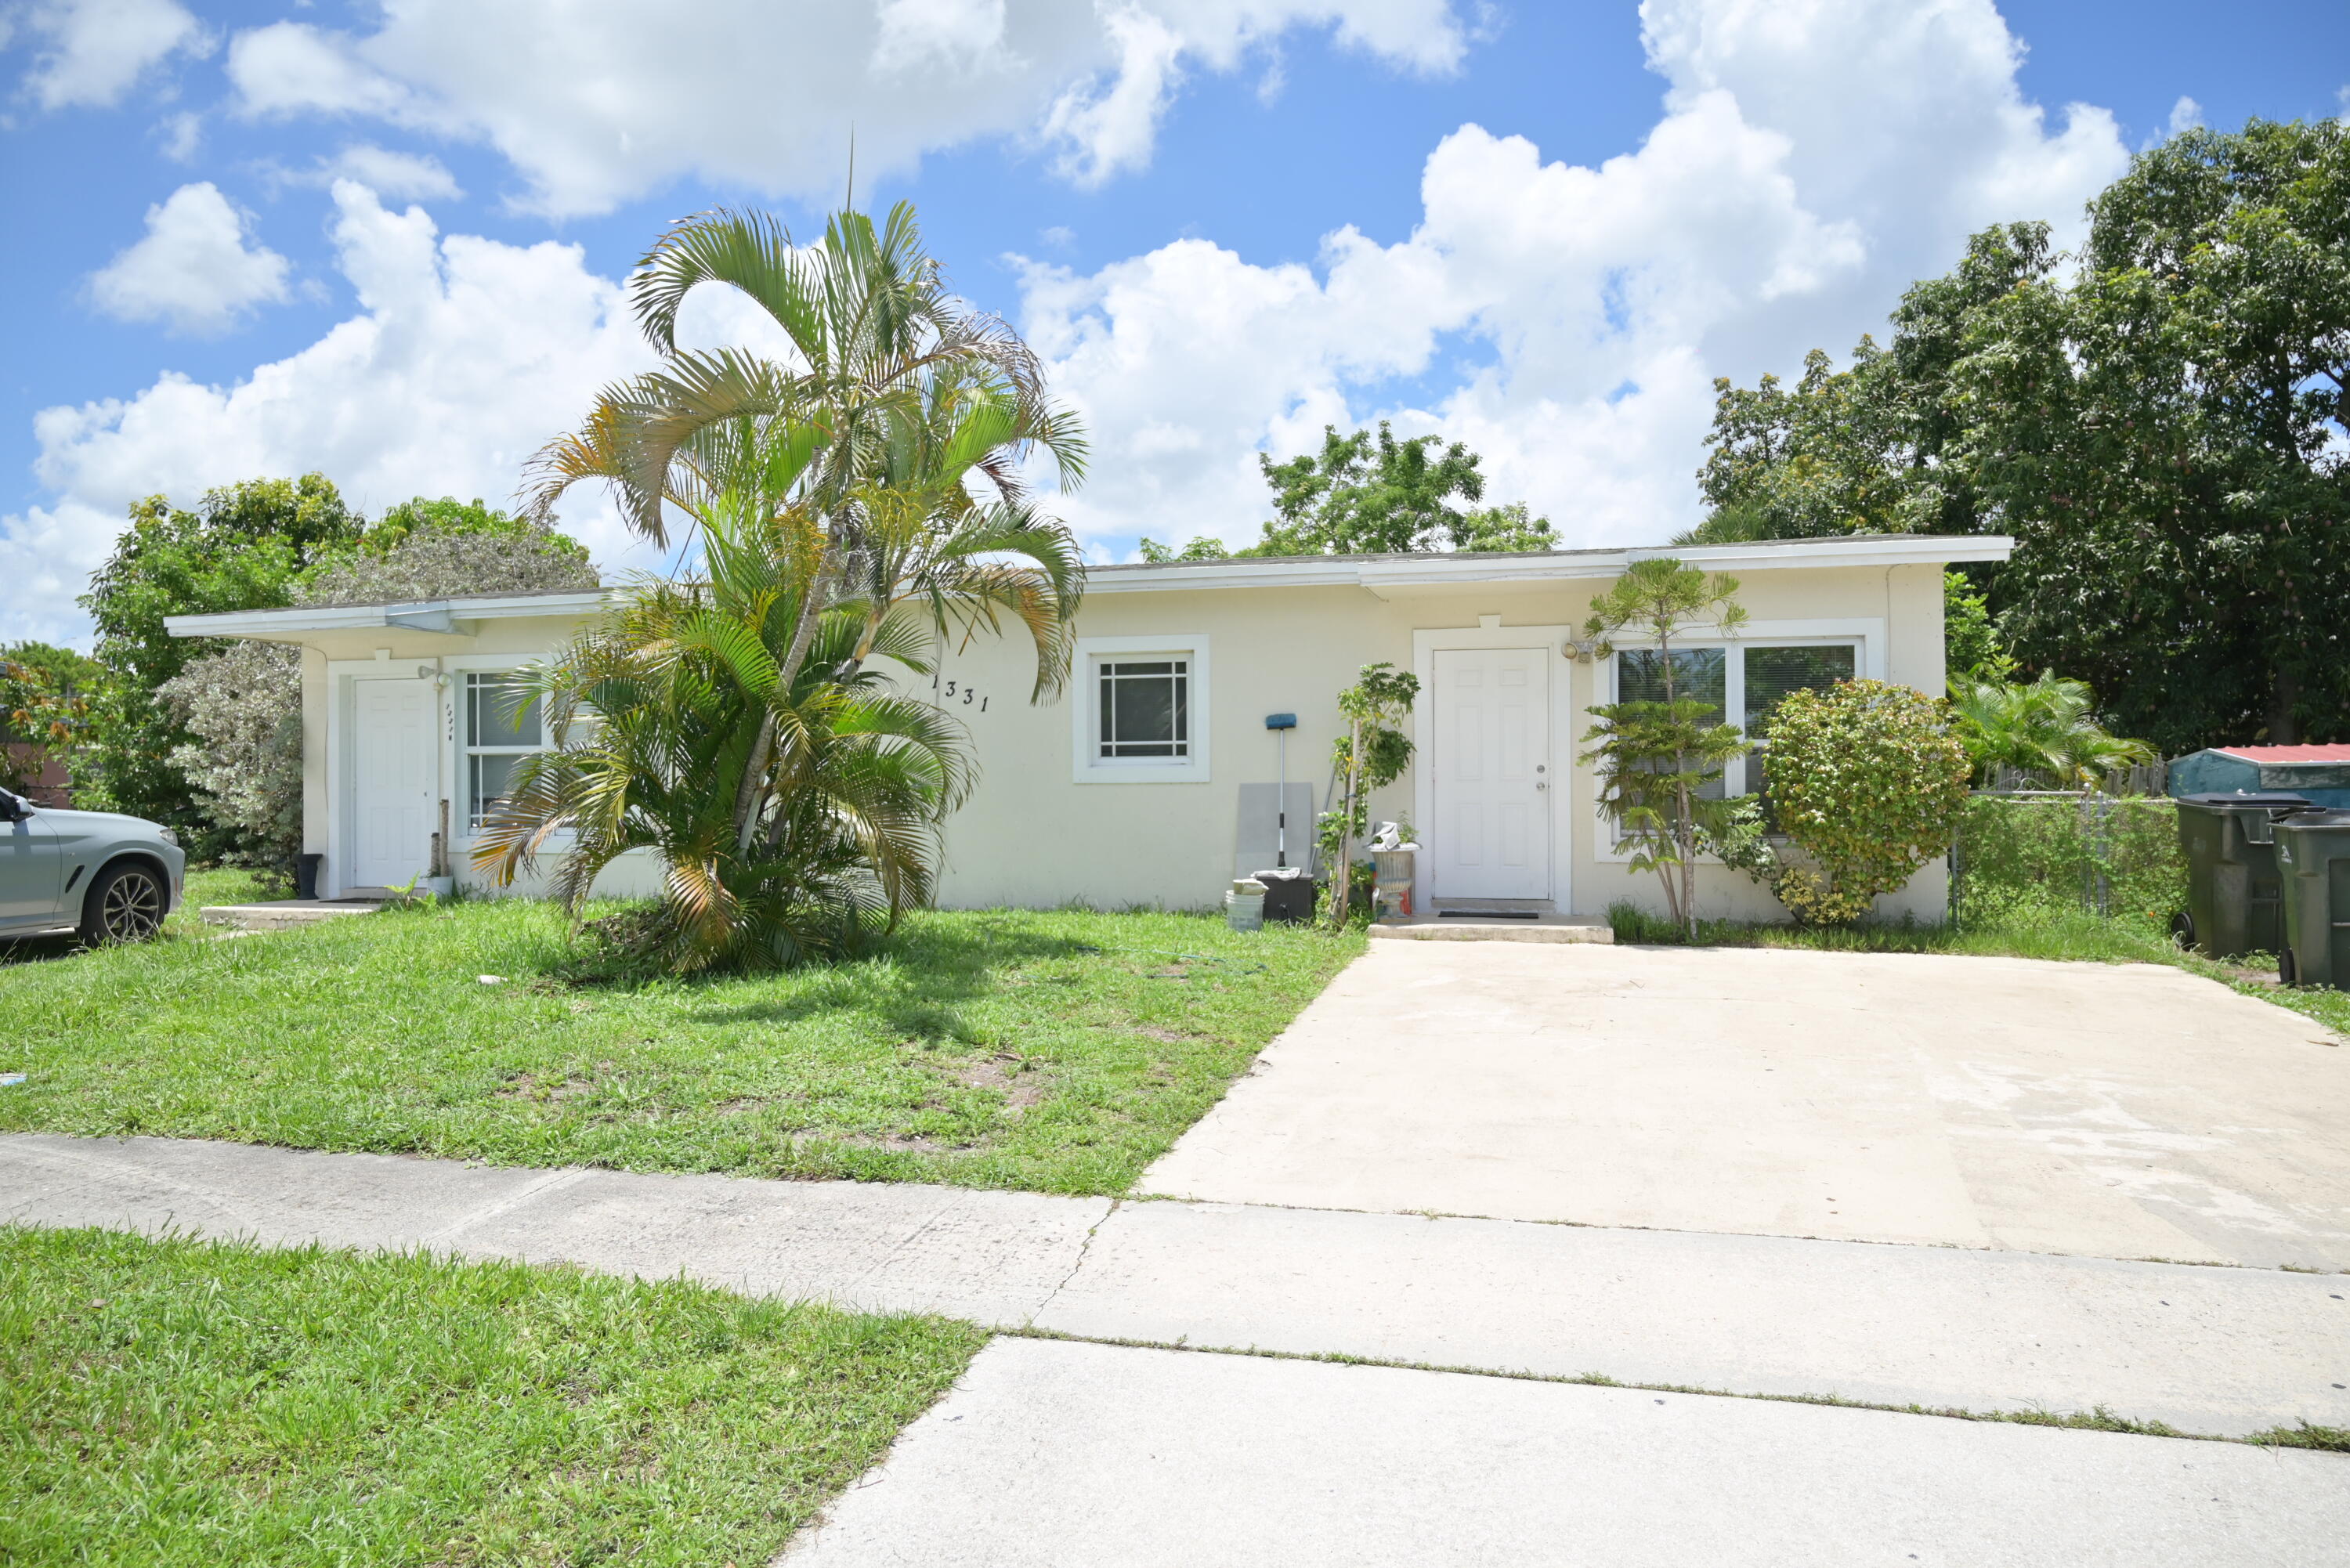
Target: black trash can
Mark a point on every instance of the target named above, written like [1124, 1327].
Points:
[2312, 851]
[1289, 893]
[2233, 892]
[306, 875]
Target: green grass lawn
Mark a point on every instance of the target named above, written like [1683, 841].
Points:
[2077, 936]
[222, 885]
[1059, 1051]
[176, 1402]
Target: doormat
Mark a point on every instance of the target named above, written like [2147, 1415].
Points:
[1487, 915]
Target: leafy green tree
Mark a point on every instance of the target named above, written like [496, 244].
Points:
[2162, 422]
[245, 546]
[1656, 756]
[1203, 548]
[862, 501]
[44, 708]
[1371, 755]
[2168, 436]
[242, 707]
[1866, 781]
[1822, 457]
[1368, 494]
[1973, 648]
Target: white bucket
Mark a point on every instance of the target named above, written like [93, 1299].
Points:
[1245, 905]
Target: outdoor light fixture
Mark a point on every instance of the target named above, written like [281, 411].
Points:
[1281, 724]
[1584, 649]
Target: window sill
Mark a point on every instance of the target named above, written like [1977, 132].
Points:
[1140, 773]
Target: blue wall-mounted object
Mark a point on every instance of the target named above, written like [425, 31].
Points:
[1280, 720]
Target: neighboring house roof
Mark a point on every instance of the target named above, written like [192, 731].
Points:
[2275, 754]
[1382, 575]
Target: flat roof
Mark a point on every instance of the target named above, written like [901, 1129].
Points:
[1375, 572]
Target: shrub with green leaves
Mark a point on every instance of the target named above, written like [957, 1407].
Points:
[2091, 854]
[1868, 781]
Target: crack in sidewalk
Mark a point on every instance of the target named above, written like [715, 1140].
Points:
[1085, 1251]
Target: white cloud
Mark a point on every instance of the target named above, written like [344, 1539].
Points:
[193, 268]
[397, 176]
[2185, 115]
[1811, 160]
[1814, 156]
[96, 50]
[595, 103]
[464, 357]
[291, 67]
[184, 133]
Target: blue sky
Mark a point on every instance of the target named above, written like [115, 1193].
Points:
[1553, 223]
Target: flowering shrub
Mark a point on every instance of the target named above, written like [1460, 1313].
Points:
[1866, 781]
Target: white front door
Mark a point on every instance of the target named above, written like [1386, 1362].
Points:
[392, 783]
[1493, 773]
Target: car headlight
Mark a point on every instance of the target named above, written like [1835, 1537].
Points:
[169, 837]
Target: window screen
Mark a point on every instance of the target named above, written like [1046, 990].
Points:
[1146, 708]
[1771, 675]
[1773, 672]
[1702, 673]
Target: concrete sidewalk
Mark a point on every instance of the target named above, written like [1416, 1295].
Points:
[2215, 1351]
[1051, 1455]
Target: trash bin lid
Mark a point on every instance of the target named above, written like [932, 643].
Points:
[1282, 874]
[2318, 819]
[2269, 800]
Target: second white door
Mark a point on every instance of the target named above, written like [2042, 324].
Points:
[1493, 773]
[392, 781]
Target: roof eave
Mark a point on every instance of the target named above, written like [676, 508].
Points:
[445, 617]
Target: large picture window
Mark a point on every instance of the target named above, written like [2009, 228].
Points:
[1743, 684]
[501, 729]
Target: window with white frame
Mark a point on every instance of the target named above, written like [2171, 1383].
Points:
[1144, 715]
[1743, 682]
[1143, 709]
[503, 725]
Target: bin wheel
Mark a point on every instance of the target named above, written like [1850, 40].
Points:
[2182, 931]
[2288, 972]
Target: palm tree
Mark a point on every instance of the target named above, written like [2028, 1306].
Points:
[863, 497]
[2045, 729]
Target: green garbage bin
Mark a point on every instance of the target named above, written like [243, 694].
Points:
[2312, 851]
[2231, 872]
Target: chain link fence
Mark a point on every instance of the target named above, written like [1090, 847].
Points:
[2026, 852]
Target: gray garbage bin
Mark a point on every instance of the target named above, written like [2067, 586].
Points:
[2312, 851]
[2231, 872]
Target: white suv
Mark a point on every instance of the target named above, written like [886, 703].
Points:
[113, 878]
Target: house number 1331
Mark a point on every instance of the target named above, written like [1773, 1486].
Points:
[956, 691]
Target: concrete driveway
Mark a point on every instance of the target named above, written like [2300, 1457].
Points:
[2121, 1111]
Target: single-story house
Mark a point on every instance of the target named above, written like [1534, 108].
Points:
[1154, 779]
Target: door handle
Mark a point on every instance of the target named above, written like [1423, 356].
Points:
[1541, 786]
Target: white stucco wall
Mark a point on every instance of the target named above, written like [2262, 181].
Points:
[1031, 836]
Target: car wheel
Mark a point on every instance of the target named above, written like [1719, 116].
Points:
[2288, 973]
[126, 904]
[2182, 932]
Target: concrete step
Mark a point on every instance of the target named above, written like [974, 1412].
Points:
[1465, 927]
[286, 914]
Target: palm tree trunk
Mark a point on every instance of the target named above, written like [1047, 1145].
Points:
[751, 793]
